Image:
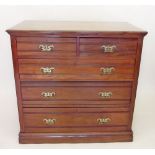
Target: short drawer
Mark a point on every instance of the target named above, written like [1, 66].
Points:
[76, 93]
[34, 47]
[58, 120]
[108, 47]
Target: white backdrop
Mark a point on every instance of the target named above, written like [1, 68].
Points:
[141, 16]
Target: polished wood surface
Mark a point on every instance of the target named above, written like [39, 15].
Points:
[78, 61]
[76, 69]
[70, 93]
[89, 94]
[57, 47]
[121, 72]
[76, 83]
[74, 26]
[48, 40]
[107, 105]
[75, 119]
[90, 137]
[71, 119]
[62, 47]
[95, 44]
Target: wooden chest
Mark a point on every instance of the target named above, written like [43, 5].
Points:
[76, 81]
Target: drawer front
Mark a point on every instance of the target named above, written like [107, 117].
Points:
[75, 122]
[108, 47]
[46, 47]
[75, 93]
[74, 119]
[111, 72]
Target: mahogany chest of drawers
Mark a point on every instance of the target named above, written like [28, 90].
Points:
[76, 81]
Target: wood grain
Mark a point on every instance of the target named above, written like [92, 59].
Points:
[69, 26]
[90, 137]
[121, 72]
[108, 105]
[77, 58]
[72, 93]
[75, 119]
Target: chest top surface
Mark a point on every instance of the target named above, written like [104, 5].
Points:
[68, 26]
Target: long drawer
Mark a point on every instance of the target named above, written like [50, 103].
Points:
[46, 72]
[99, 70]
[76, 93]
[54, 120]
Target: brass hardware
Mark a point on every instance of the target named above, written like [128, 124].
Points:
[105, 94]
[107, 70]
[103, 120]
[48, 94]
[47, 70]
[49, 121]
[108, 48]
[46, 47]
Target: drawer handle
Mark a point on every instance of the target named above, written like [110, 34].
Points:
[107, 70]
[46, 47]
[47, 70]
[49, 121]
[103, 120]
[105, 94]
[48, 94]
[108, 48]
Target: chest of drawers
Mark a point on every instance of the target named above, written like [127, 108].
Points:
[76, 82]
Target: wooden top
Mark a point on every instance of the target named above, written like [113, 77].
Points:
[70, 26]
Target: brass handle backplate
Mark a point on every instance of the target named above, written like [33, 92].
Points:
[108, 48]
[48, 94]
[103, 120]
[49, 121]
[105, 94]
[47, 70]
[46, 47]
[107, 70]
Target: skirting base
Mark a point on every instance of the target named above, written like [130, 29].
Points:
[30, 138]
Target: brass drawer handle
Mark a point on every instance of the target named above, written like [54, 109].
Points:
[49, 121]
[48, 94]
[107, 70]
[105, 94]
[47, 70]
[46, 47]
[103, 120]
[108, 48]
